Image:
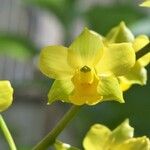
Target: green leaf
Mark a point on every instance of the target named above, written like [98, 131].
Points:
[17, 47]
[47, 3]
[61, 8]
[101, 21]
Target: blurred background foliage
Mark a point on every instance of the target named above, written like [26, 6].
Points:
[28, 25]
[16, 47]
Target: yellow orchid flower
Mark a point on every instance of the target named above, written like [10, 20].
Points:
[6, 95]
[138, 73]
[86, 72]
[99, 137]
[146, 3]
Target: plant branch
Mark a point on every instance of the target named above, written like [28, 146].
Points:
[7, 134]
[143, 51]
[51, 137]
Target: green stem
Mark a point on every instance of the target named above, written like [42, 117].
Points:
[51, 137]
[7, 134]
[143, 51]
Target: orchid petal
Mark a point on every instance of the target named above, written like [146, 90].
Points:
[110, 89]
[123, 132]
[53, 62]
[60, 90]
[96, 137]
[119, 34]
[86, 50]
[141, 143]
[117, 59]
[138, 75]
[146, 3]
[139, 42]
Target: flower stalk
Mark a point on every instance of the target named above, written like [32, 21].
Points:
[7, 134]
[143, 51]
[51, 137]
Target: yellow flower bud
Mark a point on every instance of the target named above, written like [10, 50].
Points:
[6, 95]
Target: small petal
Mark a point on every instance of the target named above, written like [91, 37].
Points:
[60, 90]
[139, 42]
[123, 132]
[120, 34]
[63, 146]
[144, 60]
[110, 89]
[137, 75]
[96, 137]
[53, 62]
[124, 84]
[6, 95]
[146, 3]
[117, 59]
[141, 143]
[86, 49]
